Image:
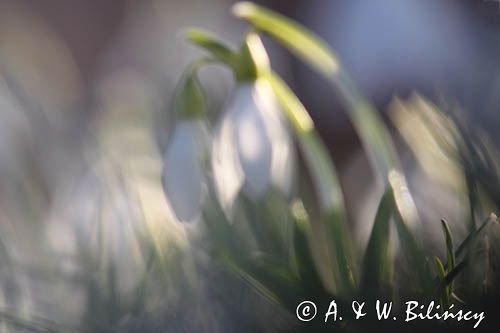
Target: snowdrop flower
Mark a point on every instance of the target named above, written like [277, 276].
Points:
[252, 150]
[183, 169]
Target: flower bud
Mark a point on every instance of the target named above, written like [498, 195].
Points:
[183, 171]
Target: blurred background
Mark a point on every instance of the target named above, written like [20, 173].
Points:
[85, 97]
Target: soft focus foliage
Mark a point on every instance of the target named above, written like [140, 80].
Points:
[200, 213]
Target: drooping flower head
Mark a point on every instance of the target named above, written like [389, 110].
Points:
[183, 169]
[252, 150]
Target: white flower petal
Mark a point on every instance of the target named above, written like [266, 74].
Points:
[227, 172]
[283, 164]
[253, 149]
[283, 153]
[182, 179]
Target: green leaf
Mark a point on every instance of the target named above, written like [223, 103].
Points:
[465, 246]
[325, 181]
[315, 153]
[430, 136]
[341, 251]
[445, 297]
[295, 111]
[297, 39]
[303, 257]
[322, 172]
[235, 266]
[413, 252]
[440, 268]
[264, 227]
[268, 276]
[473, 235]
[450, 253]
[279, 277]
[376, 271]
[449, 277]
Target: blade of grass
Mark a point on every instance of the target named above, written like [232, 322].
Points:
[451, 275]
[450, 254]
[278, 276]
[445, 296]
[410, 246]
[458, 268]
[308, 273]
[376, 270]
[235, 266]
[263, 227]
[472, 235]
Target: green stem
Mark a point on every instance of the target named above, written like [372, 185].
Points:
[190, 99]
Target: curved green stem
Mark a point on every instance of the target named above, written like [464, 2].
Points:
[217, 48]
[247, 64]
